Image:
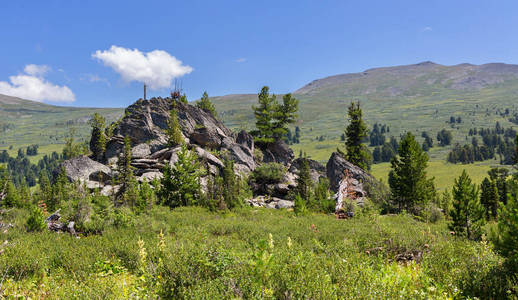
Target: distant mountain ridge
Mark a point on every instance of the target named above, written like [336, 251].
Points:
[417, 97]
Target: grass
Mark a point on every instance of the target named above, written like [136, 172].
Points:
[249, 253]
[444, 173]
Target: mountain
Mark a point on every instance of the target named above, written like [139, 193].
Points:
[24, 122]
[418, 97]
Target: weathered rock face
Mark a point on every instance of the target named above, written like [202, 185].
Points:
[316, 170]
[85, 170]
[346, 180]
[278, 152]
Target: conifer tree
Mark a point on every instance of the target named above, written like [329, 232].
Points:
[272, 118]
[128, 192]
[467, 215]
[284, 115]
[410, 187]
[174, 131]
[12, 197]
[304, 183]
[181, 183]
[98, 137]
[489, 197]
[356, 151]
[506, 240]
[230, 183]
[205, 104]
[264, 114]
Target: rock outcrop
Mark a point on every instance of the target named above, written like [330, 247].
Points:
[346, 180]
[145, 123]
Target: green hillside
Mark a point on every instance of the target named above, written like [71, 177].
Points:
[24, 122]
[420, 97]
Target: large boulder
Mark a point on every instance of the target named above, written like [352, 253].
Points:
[316, 169]
[346, 180]
[278, 152]
[145, 121]
[85, 170]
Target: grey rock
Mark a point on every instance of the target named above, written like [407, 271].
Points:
[84, 169]
[141, 151]
[245, 139]
[278, 152]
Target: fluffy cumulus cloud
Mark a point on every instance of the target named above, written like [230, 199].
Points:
[157, 68]
[33, 86]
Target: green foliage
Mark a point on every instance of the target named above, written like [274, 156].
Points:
[205, 104]
[323, 196]
[174, 131]
[506, 239]
[444, 137]
[273, 118]
[73, 149]
[355, 133]
[489, 198]
[12, 197]
[250, 254]
[304, 183]
[98, 137]
[268, 173]
[410, 187]
[467, 215]
[181, 183]
[129, 191]
[36, 220]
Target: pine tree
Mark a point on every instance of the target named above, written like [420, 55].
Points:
[181, 183]
[304, 183]
[322, 195]
[230, 183]
[205, 104]
[284, 115]
[411, 189]
[174, 131]
[98, 137]
[489, 197]
[128, 192]
[506, 241]
[355, 133]
[272, 118]
[12, 197]
[467, 214]
[264, 114]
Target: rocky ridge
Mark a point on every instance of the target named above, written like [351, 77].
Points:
[145, 123]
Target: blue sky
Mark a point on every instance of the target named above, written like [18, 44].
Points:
[234, 46]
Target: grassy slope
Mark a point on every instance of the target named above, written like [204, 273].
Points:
[408, 98]
[215, 256]
[45, 125]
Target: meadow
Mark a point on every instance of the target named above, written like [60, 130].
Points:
[248, 253]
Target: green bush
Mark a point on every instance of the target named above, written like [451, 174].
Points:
[268, 173]
[36, 221]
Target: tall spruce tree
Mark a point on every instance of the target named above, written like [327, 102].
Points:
[98, 137]
[411, 189]
[355, 133]
[272, 118]
[174, 131]
[304, 183]
[128, 191]
[230, 183]
[506, 240]
[205, 104]
[489, 197]
[180, 185]
[467, 215]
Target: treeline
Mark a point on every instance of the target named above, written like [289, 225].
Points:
[496, 141]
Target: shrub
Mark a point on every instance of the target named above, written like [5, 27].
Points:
[36, 221]
[269, 173]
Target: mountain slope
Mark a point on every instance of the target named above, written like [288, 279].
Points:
[419, 97]
[24, 122]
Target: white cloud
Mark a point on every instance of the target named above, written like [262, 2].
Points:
[157, 68]
[427, 29]
[36, 70]
[240, 60]
[33, 86]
